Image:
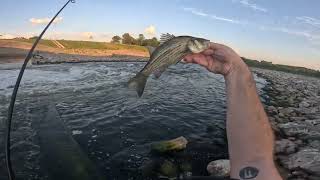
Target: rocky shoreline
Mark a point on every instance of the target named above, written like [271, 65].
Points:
[40, 58]
[293, 106]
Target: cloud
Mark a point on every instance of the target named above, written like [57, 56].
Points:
[36, 21]
[309, 20]
[150, 30]
[253, 6]
[313, 37]
[212, 16]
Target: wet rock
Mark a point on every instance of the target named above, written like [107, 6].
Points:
[306, 159]
[285, 146]
[177, 144]
[168, 169]
[219, 168]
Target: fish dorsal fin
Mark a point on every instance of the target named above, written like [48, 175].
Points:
[150, 49]
[166, 37]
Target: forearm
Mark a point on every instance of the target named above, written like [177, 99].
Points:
[250, 137]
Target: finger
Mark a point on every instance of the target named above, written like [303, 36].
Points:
[214, 65]
[208, 52]
[216, 46]
[218, 57]
[188, 58]
[200, 59]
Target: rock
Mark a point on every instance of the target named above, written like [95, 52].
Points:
[307, 159]
[285, 146]
[297, 118]
[168, 169]
[315, 144]
[272, 109]
[286, 111]
[281, 115]
[313, 177]
[275, 127]
[219, 168]
[313, 122]
[304, 104]
[299, 174]
[294, 129]
[298, 142]
[177, 144]
[292, 138]
[304, 131]
[185, 167]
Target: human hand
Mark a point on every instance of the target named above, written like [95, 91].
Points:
[218, 58]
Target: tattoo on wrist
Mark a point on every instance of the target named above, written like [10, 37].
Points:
[248, 172]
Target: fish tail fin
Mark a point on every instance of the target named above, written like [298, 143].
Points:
[138, 83]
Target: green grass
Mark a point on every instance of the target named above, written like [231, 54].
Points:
[42, 42]
[99, 45]
[87, 45]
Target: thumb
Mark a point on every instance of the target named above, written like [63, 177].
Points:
[201, 60]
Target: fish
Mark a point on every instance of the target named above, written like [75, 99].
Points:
[172, 50]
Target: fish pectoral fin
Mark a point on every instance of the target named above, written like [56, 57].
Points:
[157, 73]
[151, 49]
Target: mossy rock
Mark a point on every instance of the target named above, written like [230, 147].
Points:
[177, 144]
[168, 169]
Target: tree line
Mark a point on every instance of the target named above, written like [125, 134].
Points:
[141, 40]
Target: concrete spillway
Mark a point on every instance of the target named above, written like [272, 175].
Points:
[61, 156]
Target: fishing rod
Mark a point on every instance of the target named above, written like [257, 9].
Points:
[11, 174]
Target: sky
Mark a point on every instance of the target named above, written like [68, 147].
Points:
[283, 32]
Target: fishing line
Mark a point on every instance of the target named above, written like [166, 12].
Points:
[11, 174]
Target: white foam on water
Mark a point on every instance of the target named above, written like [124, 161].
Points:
[47, 78]
[76, 132]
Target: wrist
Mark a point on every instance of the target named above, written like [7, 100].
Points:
[239, 71]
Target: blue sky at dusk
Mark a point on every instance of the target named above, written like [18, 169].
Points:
[286, 31]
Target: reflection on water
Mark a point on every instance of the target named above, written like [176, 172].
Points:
[110, 123]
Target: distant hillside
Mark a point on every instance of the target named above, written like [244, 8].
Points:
[284, 68]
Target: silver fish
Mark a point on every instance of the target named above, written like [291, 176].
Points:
[171, 51]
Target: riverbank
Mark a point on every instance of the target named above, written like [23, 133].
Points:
[293, 107]
[14, 51]
[57, 58]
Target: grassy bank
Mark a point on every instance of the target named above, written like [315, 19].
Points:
[283, 68]
[87, 45]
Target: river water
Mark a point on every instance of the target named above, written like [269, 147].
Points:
[110, 123]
